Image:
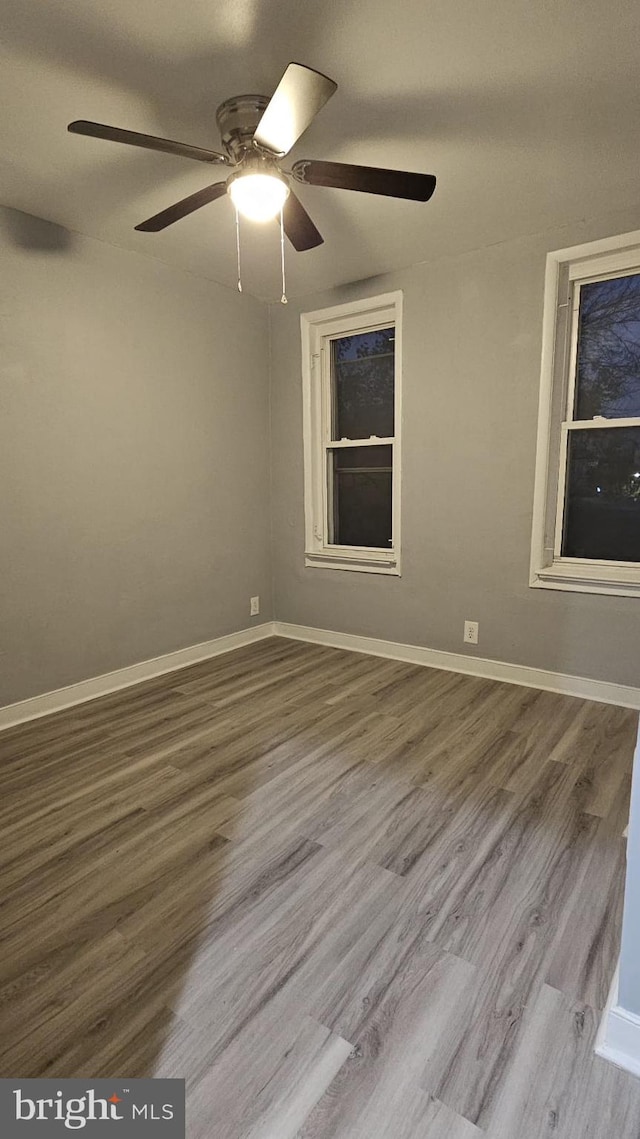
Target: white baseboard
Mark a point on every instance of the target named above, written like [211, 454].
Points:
[584, 687]
[618, 1039]
[600, 690]
[84, 690]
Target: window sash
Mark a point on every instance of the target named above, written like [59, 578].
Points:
[328, 387]
[329, 501]
[576, 286]
[581, 425]
[330, 408]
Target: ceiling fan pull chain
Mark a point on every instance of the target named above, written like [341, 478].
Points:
[283, 298]
[238, 250]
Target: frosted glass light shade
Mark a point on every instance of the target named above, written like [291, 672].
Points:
[259, 197]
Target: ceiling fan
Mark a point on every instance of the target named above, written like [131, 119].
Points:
[257, 133]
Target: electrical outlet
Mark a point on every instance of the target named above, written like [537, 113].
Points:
[470, 633]
[255, 606]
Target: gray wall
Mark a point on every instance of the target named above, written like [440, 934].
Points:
[134, 465]
[472, 340]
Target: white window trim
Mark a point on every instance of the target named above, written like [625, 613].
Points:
[611, 256]
[317, 327]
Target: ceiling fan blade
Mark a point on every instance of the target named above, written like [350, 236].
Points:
[148, 141]
[300, 94]
[181, 209]
[298, 226]
[367, 179]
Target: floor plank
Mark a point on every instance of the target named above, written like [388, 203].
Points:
[554, 1082]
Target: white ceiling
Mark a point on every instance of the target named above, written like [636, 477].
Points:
[528, 112]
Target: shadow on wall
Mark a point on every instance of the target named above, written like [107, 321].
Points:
[31, 233]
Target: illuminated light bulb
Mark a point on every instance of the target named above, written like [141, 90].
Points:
[259, 197]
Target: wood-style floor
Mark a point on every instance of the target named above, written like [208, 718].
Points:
[345, 898]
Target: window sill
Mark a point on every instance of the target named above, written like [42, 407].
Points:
[581, 577]
[363, 561]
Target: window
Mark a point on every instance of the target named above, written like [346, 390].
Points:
[586, 530]
[351, 385]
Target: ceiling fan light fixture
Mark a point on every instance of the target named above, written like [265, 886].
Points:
[259, 197]
[257, 132]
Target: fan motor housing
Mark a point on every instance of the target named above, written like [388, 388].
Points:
[237, 119]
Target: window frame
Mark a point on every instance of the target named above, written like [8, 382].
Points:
[318, 329]
[566, 271]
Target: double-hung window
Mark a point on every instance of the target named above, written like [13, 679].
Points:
[351, 387]
[586, 532]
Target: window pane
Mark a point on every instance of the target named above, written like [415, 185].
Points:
[608, 367]
[602, 509]
[362, 485]
[362, 370]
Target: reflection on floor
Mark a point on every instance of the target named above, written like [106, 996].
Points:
[344, 897]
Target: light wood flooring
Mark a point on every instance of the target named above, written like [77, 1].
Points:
[344, 897]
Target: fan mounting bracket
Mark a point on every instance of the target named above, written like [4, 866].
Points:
[237, 119]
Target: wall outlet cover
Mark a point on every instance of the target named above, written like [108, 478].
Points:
[470, 636]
